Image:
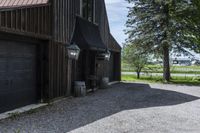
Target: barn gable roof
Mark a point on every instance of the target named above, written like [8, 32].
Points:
[113, 44]
[21, 3]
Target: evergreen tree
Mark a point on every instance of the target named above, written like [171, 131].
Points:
[158, 26]
[192, 18]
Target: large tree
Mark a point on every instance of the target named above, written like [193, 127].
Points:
[158, 26]
[192, 18]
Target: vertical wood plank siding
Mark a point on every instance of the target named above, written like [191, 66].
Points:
[115, 61]
[63, 17]
[34, 21]
[57, 71]
[115, 66]
[64, 14]
[102, 20]
[55, 23]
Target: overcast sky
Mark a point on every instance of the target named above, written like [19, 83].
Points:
[117, 15]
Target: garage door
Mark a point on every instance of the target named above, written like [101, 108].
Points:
[18, 78]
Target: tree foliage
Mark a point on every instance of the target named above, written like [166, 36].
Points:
[193, 18]
[160, 26]
[135, 58]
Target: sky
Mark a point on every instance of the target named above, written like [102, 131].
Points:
[117, 15]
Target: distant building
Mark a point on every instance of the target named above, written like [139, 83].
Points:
[181, 61]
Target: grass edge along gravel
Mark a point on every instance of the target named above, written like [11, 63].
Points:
[158, 79]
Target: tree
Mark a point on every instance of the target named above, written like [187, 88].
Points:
[158, 26]
[188, 27]
[136, 59]
[192, 18]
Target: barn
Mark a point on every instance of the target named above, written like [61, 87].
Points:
[34, 36]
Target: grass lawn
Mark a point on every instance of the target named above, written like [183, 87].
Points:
[155, 79]
[188, 67]
[159, 69]
[172, 71]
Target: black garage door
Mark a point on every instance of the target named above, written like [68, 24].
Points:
[18, 78]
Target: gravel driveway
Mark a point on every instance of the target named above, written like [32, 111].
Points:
[123, 108]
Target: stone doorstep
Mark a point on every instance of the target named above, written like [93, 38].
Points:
[21, 110]
[114, 82]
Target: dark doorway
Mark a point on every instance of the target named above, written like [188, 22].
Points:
[86, 68]
[112, 67]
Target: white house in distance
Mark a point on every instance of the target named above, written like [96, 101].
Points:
[185, 60]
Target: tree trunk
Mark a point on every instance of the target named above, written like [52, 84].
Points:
[166, 64]
[138, 75]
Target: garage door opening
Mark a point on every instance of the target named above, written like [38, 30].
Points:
[18, 74]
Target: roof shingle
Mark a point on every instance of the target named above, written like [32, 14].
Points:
[21, 3]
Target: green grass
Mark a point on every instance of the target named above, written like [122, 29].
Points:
[173, 71]
[159, 69]
[188, 67]
[158, 79]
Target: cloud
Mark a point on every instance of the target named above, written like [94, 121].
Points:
[112, 1]
[117, 15]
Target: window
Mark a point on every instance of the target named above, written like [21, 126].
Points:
[88, 9]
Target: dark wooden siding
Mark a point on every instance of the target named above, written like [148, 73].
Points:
[59, 67]
[117, 65]
[113, 44]
[114, 70]
[33, 21]
[58, 72]
[64, 15]
[115, 62]
[55, 23]
[102, 20]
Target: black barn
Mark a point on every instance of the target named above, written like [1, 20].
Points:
[34, 35]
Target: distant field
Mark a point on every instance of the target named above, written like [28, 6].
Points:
[159, 69]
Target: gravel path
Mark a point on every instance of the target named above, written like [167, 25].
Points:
[123, 108]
